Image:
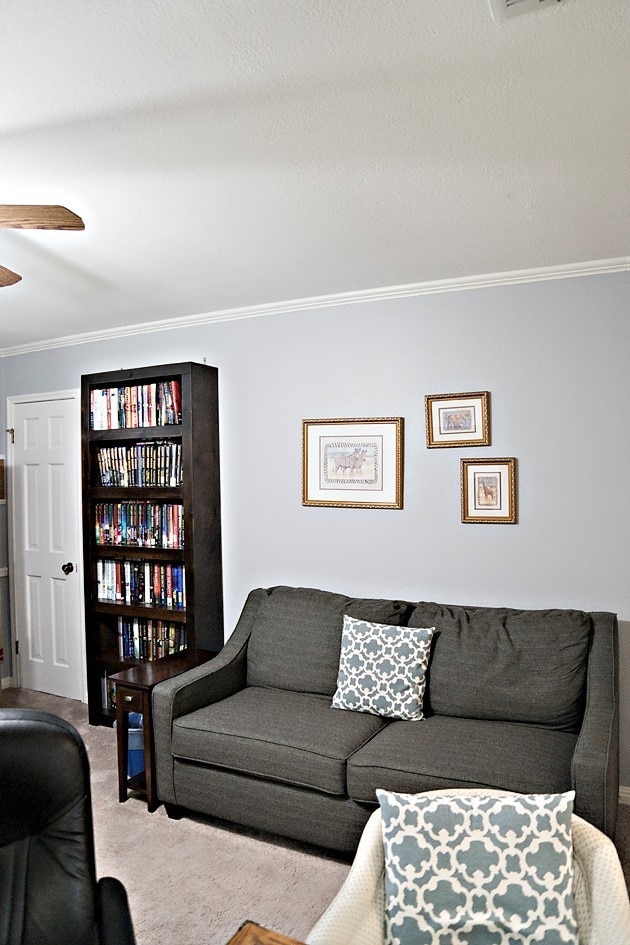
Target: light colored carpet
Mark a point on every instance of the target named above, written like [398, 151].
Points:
[192, 881]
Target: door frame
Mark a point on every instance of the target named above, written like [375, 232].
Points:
[72, 394]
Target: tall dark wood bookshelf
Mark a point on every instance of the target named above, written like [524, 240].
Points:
[151, 519]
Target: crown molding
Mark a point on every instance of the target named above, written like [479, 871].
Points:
[489, 280]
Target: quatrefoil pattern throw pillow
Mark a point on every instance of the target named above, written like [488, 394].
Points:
[382, 669]
[478, 870]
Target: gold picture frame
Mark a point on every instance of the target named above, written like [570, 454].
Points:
[458, 419]
[488, 491]
[353, 463]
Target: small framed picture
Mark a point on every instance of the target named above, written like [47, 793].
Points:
[489, 490]
[353, 463]
[458, 419]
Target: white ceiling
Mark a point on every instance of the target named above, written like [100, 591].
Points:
[248, 152]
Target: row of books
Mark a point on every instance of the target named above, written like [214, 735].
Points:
[141, 582]
[141, 464]
[143, 405]
[139, 524]
[142, 639]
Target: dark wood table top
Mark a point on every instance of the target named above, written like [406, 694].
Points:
[252, 934]
[149, 673]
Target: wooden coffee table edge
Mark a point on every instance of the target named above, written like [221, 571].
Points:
[250, 933]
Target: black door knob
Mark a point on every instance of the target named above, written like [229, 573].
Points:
[67, 568]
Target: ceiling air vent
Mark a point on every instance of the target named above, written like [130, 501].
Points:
[504, 9]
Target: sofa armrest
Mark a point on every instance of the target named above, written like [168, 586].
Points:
[595, 766]
[212, 681]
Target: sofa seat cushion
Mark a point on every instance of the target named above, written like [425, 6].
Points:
[270, 733]
[505, 664]
[443, 752]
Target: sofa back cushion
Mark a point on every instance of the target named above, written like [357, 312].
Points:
[295, 640]
[510, 665]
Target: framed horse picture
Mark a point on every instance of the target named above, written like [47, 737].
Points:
[458, 419]
[488, 491]
[355, 463]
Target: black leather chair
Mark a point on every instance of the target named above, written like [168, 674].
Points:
[49, 894]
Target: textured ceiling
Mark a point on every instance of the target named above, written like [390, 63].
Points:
[246, 152]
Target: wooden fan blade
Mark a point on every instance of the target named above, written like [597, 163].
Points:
[39, 217]
[7, 277]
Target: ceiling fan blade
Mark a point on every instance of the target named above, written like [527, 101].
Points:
[7, 277]
[39, 217]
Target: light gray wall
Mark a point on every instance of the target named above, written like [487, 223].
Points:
[554, 356]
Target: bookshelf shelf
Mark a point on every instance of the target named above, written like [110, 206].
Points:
[175, 614]
[137, 493]
[120, 552]
[143, 487]
[147, 434]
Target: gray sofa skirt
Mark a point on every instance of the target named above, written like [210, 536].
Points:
[326, 820]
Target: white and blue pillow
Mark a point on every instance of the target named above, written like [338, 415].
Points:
[478, 870]
[382, 669]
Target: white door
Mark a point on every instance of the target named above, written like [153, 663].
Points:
[46, 539]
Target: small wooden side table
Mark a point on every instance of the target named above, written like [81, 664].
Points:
[252, 934]
[133, 694]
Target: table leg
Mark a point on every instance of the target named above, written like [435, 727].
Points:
[149, 754]
[122, 743]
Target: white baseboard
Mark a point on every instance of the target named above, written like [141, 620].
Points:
[7, 682]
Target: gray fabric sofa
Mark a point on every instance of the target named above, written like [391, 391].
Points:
[523, 700]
